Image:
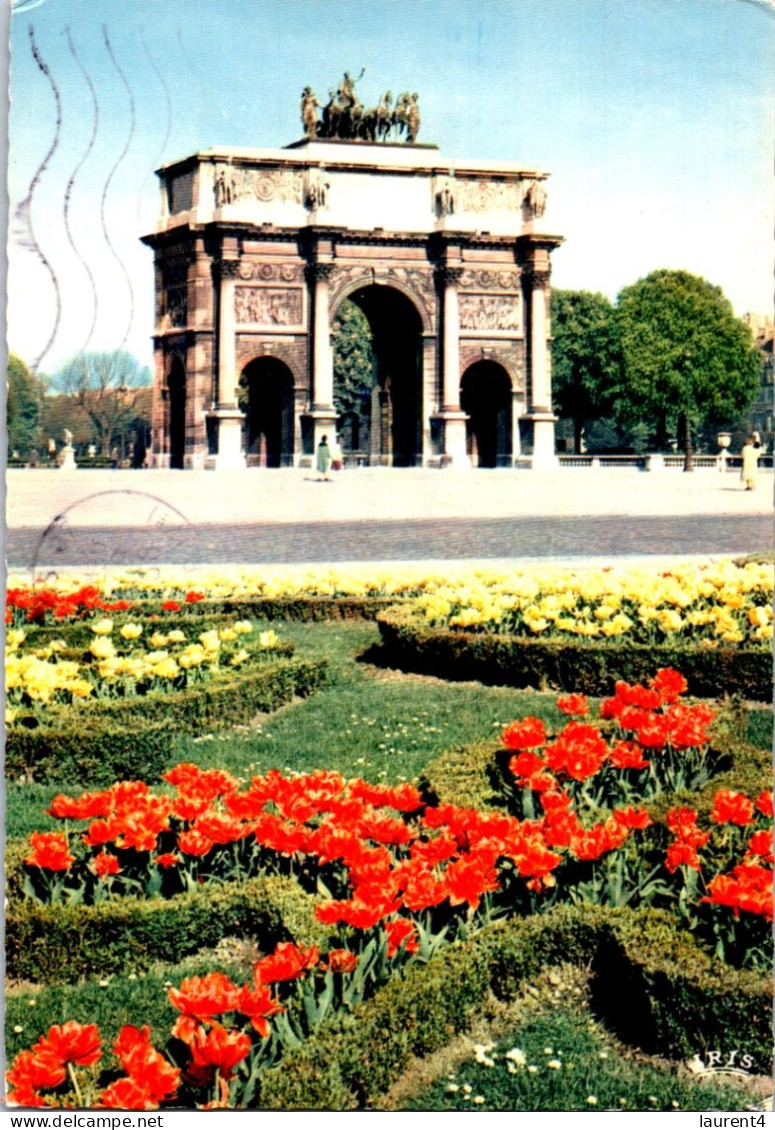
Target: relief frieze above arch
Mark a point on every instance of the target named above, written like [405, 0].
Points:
[490, 280]
[270, 272]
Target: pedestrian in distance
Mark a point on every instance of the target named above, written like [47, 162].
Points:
[323, 461]
[336, 454]
[750, 460]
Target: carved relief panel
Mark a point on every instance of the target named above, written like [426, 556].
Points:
[490, 300]
[488, 195]
[233, 184]
[268, 306]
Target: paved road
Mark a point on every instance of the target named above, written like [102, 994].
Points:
[601, 536]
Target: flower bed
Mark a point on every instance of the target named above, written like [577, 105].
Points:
[637, 844]
[306, 1033]
[106, 696]
[411, 643]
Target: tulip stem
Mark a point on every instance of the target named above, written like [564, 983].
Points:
[74, 1081]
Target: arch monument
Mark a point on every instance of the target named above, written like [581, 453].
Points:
[257, 250]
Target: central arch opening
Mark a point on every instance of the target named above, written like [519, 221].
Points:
[485, 397]
[377, 377]
[266, 398]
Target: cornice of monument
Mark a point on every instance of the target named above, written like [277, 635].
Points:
[339, 154]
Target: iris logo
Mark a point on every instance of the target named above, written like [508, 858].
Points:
[716, 1063]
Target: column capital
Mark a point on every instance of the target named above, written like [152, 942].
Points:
[226, 268]
[319, 272]
[449, 276]
[537, 278]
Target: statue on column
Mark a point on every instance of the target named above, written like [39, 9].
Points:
[309, 112]
[535, 200]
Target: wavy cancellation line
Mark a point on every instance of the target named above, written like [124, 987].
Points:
[23, 215]
[168, 128]
[111, 174]
[69, 190]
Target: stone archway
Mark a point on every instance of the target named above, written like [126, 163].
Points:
[388, 425]
[266, 397]
[176, 387]
[485, 397]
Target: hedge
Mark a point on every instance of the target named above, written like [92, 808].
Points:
[55, 944]
[589, 667]
[650, 983]
[105, 741]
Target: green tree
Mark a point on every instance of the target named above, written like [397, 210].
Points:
[353, 367]
[107, 387]
[586, 357]
[687, 358]
[25, 393]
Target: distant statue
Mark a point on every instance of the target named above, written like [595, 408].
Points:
[309, 112]
[383, 117]
[535, 199]
[445, 201]
[317, 194]
[68, 437]
[413, 119]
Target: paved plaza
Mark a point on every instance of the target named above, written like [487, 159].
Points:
[90, 518]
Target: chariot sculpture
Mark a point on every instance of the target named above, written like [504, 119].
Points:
[345, 117]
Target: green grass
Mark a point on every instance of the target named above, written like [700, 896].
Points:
[380, 725]
[570, 1064]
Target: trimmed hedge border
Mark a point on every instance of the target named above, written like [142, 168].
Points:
[587, 667]
[56, 944]
[651, 984]
[105, 741]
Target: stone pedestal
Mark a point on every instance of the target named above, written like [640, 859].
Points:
[452, 426]
[66, 458]
[230, 456]
[544, 456]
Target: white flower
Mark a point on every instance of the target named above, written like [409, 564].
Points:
[517, 1056]
[548, 1051]
[532, 1069]
[592, 1100]
[467, 1088]
[452, 1087]
[555, 1064]
[478, 1099]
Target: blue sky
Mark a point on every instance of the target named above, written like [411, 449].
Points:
[653, 117]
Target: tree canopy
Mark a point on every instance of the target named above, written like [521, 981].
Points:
[353, 363]
[25, 393]
[586, 356]
[687, 358]
[107, 387]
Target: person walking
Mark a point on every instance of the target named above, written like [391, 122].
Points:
[336, 454]
[750, 456]
[323, 461]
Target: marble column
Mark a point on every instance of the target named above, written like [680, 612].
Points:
[540, 373]
[454, 420]
[322, 408]
[229, 418]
